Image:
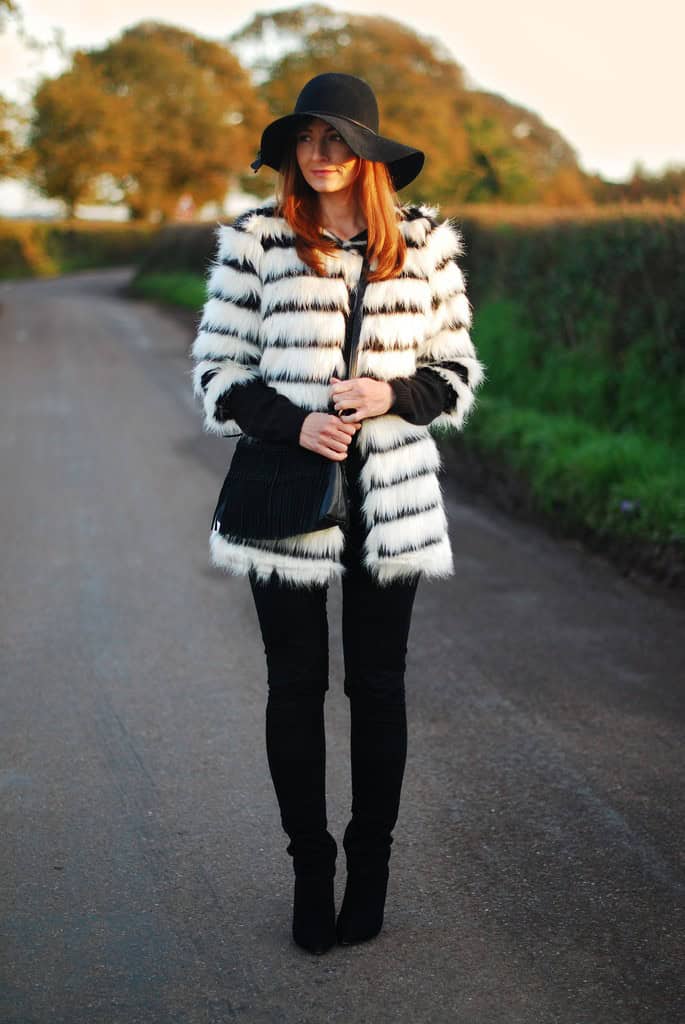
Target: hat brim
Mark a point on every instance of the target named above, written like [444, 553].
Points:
[403, 162]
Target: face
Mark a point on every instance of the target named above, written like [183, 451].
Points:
[326, 161]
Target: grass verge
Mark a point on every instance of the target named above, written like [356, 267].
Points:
[625, 485]
[178, 289]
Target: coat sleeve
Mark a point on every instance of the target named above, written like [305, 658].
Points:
[226, 351]
[447, 348]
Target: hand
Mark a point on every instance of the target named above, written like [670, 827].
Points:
[364, 395]
[327, 435]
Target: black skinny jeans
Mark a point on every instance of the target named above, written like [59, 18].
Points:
[376, 624]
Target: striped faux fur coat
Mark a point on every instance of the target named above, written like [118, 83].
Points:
[269, 315]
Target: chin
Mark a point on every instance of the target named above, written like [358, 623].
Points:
[329, 186]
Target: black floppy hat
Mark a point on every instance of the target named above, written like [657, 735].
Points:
[349, 105]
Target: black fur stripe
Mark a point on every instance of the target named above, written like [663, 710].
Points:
[404, 477]
[397, 307]
[248, 301]
[229, 332]
[242, 359]
[241, 266]
[396, 516]
[241, 222]
[277, 242]
[287, 377]
[438, 301]
[206, 377]
[283, 343]
[378, 346]
[458, 368]
[429, 542]
[405, 443]
[297, 307]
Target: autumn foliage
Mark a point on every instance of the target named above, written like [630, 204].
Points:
[160, 115]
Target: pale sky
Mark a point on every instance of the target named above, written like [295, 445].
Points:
[608, 74]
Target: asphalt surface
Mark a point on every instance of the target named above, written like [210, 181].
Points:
[537, 871]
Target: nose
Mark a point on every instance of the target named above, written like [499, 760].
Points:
[321, 148]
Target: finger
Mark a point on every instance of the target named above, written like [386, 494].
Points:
[336, 445]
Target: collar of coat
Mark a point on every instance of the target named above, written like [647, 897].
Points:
[416, 221]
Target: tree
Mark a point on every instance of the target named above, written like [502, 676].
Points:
[9, 149]
[479, 146]
[416, 83]
[78, 132]
[155, 114]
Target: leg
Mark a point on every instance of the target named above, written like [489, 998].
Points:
[376, 624]
[294, 629]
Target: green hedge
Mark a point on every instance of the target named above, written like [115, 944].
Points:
[42, 248]
[598, 317]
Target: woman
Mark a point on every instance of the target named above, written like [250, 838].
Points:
[270, 363]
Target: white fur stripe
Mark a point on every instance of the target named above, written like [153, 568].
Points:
[225, 345]
[434, 561]
[320, 364]
[304, 328]
[266, 227]
[406, 496]
[244, 322]
[277, 263]
[309, 396]
[390, 329]
[448, 281]
[407, 533]
[239, 245]
[391, 467]
[397, 292]
[307, 291]
[241, 558]
[384, 432]
[233, 284]
[418, 264]
[447, 345]
[444, 243]
[416, 231]
[454, 310]
[386, 365]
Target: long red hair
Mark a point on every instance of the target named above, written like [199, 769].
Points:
[373, 190]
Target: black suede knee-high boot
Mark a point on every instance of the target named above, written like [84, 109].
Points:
[296, 751]
[378, 753]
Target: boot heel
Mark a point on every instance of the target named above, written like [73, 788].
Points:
[314, 914]
[363, 906]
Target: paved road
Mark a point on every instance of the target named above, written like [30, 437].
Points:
[537, 871]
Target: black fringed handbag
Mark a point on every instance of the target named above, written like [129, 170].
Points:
[274, 490]
[280, 490]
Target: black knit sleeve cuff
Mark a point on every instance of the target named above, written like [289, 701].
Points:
[403, 404]
[422, 397]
